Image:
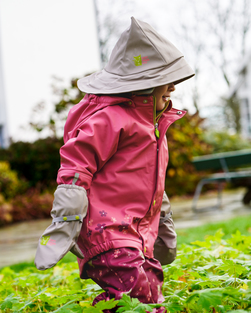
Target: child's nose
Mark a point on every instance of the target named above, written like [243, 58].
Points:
[171, 87]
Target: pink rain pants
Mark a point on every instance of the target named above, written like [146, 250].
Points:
[125, 270]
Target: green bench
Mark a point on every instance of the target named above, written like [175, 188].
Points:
[228, 166]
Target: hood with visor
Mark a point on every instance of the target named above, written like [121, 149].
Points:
[141, 59]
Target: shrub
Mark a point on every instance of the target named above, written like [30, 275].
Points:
[37, 162]
[223, 141]
[10, 185]
[29, 206]
[17, 202]
[5, 211]
[185, 141]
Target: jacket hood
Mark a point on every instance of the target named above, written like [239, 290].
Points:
[141, 59]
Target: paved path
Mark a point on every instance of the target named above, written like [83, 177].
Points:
[232, 206]
[18, 242]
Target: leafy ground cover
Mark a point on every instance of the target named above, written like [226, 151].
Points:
[241, 223]
[213, 275]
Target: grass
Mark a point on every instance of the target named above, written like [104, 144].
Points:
[19, 267]
[241, 223]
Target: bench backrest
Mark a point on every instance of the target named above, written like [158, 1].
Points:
[223, 161]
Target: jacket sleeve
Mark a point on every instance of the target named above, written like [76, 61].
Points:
[89, 147]
[166, 242]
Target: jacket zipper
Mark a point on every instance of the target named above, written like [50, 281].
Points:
[157, 134]
[155, 123]
[157, 117]
[156, 131]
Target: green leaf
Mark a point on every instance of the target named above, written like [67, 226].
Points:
[106, 305]
[207, 298]
[102, 305]
[127, 304]
[27, 303]
[203, 244]
[232, 268]
[173, 307]
[9, 301]
[68, 307]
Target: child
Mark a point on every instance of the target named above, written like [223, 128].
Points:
[110, 208]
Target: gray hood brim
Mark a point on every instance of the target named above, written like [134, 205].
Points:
[162, 63]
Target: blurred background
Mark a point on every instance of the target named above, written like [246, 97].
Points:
[46, 45]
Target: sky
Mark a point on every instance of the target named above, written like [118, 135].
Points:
[42, 39]
[39, 40]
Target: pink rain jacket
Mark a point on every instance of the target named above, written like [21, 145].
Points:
[110, 142]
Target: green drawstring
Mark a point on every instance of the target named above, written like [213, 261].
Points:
[156, 118]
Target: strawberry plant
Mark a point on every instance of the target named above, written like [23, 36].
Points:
[213, 275]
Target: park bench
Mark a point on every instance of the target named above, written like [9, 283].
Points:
[228, 169]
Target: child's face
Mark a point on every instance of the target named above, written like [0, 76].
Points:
[162, 93]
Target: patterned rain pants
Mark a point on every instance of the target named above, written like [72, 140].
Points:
[125, 270]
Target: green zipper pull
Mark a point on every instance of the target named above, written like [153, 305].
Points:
[156, 130]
